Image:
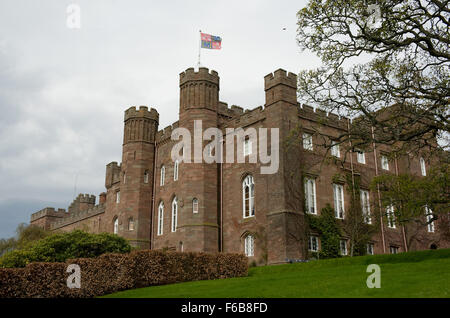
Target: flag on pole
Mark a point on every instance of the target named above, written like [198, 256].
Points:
[209, 41]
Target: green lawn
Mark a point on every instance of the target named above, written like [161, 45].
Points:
[415, 274]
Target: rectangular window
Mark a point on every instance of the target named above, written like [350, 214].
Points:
[307, 142]
[360, 156]
[343, 247]
[390, 216]
[370, 249]
[335, 149]
[247, 147]
[393, 249]
[118, 197]
[310, 195]
[338, 193]
[384, 163]
[422, 167]
[313, 244]
[365, 206]
[430, 221]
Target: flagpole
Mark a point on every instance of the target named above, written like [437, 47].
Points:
[199, 48]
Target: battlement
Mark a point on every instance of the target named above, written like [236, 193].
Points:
[142, 112]
[112, 174]
[247, 117]
[60, 213]
[203, 74]
[77, 216]
[280, 76]
[319, 115]
[166, 132]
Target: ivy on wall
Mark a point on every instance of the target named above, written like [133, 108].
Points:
[327, 227]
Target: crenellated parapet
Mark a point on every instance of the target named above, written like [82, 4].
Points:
[166, 133]
[142, 112]
[48, 212]
[322, 117]
[77, 217]
[112, 174]
[82, 202]
[203, 74]
[249, 117]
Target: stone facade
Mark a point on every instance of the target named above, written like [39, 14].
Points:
[208, 197]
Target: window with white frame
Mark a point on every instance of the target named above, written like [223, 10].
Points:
[118, 197]
[313, 243]
[174, 214]
[130, 224]
[310, 195]
[338, 194]
[307, 141]
[430, 221]
[146, 176]
[422, 167]
[160, 218]
[247, 147]
[343, 247]
[175, 170]
[163, 175]
[384, 163]
[369, 249]
[195, 205]
[393, 249]
[248, 192]
[365, 206]
[335, 149]
[116, 225]
[249, 245]
[360, 156]
[390, 216]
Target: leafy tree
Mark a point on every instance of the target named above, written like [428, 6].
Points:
[409, 195]
[355, 224]
[386, 63]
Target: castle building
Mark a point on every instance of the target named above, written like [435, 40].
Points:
[227, 206]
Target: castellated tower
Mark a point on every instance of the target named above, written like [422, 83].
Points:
[199, 99]
[130, 185]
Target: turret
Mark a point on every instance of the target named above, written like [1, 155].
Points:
[280, 86]
[199, 89]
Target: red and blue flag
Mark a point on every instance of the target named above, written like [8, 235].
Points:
[211, 41]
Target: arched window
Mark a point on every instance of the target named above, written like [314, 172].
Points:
[130, 224]
[249, 245]
[146, 175]
[116, 225]
[195, 205]
[163, 175]
[174, 214]
[248, 193]
[160, 218]
[175, 170]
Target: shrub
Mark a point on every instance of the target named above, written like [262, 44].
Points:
[114, 272]
[61, 246]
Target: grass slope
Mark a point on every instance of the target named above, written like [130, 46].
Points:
[414, 274]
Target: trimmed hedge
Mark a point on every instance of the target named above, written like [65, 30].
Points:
[110, 273]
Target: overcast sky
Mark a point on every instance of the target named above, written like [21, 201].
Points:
[63, 91]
